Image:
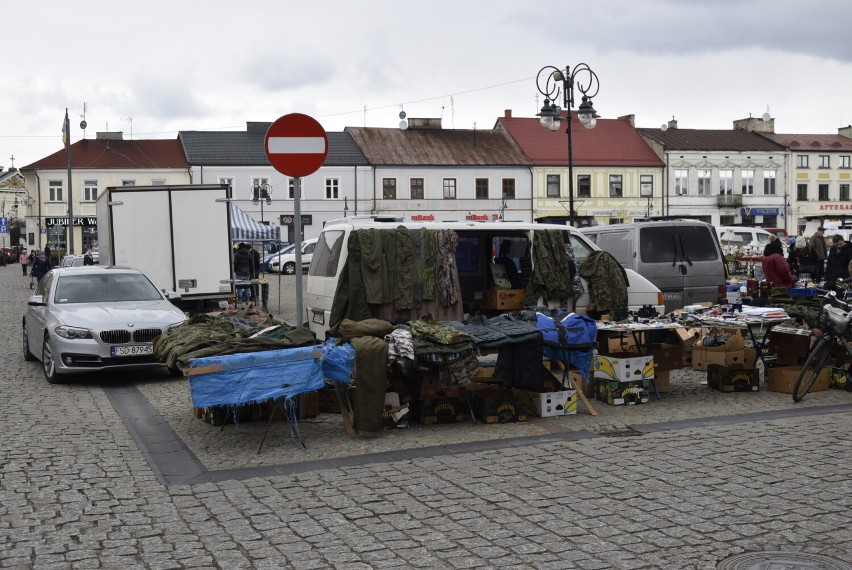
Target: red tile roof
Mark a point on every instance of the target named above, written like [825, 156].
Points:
[112, 153]
[613, 142]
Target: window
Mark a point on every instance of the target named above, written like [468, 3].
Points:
[584, 186]
[704, 183]
[416, 186]
[553, 186]
[727, 220]
[844, 192]
[681, 182]
[646, 185]
[450, 188]
[509, 188]
[748, 182]
[844, 161]
[332, 188]
[55, 194]
[158, 182]
[726, 182]
[90, 190]
[128, 182]
[615, 186]
[824, 161]
[801, 191]
[823, 192]
[227, 180]
[801, 161]
[482, 188]
[769, 182]
[389, 188]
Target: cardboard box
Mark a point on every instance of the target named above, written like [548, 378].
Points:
[623, 367]
[503, 299]
[670, 356]
[616, 344]
[548, 404]
[617, 393]
[493, 405]
[439, 410]
[790, 346]
[484, 374]
[429, 386]
[662, 381]
[731, 354]
[729, 379]
[783, 379]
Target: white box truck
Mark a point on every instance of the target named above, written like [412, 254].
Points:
[179, 235]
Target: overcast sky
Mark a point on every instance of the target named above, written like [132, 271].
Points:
[154, 67]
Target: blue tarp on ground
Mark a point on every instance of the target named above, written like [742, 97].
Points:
[246, 228]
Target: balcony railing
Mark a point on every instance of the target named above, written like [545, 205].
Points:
[730, 200]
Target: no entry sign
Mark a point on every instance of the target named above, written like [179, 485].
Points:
[296, 145]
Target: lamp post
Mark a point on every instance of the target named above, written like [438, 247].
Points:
[551, 82]
[261, 193]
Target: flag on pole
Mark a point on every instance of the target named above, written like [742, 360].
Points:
[66, 130]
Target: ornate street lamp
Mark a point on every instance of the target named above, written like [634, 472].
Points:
[261, 193]
[551, 82]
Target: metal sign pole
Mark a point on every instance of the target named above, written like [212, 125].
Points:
[297, 228]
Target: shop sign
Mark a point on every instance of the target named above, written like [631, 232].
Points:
[82, 221]
[423, 218]
[835, 206]
[307, 220]
[476, 217]
[749, 212]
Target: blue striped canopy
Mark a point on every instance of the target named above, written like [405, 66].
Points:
[246, 228]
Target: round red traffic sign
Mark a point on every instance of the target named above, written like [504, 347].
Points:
[296, 145]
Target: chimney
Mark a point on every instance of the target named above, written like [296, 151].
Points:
[672, 124]
[110, 135]
[764, 124]
[507, 114]
[630, 119]
[423, 124]
[845, 131]
[256, 127]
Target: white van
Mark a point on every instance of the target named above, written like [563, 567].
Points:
[747, 240]
[478, 245]
[681, 257]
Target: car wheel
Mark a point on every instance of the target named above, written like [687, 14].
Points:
[28, 355]
[47, 363]
[289, 269]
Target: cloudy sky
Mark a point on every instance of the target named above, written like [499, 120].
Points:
[152, 68]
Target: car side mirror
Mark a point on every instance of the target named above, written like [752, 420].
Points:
[173, 296]
[36, 301]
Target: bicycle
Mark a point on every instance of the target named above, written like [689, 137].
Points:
[834, 319]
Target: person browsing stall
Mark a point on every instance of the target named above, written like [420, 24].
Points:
[817, 245]
[837, 266]
[775, 267]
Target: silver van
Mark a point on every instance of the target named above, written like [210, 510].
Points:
[681, 257]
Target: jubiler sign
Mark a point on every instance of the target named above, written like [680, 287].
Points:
[82, 221]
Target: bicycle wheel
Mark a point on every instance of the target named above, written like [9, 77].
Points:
[813, 366]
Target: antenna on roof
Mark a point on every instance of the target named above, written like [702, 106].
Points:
[83, 123]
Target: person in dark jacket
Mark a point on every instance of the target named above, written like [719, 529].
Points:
[40, 266]
[837, 266]
[47, 256]
[243, 270]
[775, 268]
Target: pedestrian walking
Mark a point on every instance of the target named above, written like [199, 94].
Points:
[47, 256]
[40, 267]
[24, 260]
[817, 245]
[838, 260]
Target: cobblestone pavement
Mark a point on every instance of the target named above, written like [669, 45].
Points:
[116, 472]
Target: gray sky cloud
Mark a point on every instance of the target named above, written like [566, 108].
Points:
[214, 64]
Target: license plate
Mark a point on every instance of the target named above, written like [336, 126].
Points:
[671, 295]
[135, 350]
[318, 317]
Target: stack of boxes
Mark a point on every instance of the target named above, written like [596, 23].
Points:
[730, 364]
[790, 348]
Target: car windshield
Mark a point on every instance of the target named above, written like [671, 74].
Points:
[100, 288]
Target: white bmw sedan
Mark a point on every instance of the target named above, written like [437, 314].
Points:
[94, 318]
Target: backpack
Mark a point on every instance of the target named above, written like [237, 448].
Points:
[567, 330]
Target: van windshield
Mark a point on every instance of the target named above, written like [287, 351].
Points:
[675, 243]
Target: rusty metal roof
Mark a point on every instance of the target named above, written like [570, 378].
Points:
[436, 147]
[734, 140]
[812, 143]
[117, 153]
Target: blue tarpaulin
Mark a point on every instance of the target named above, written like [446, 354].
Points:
[253, 377]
